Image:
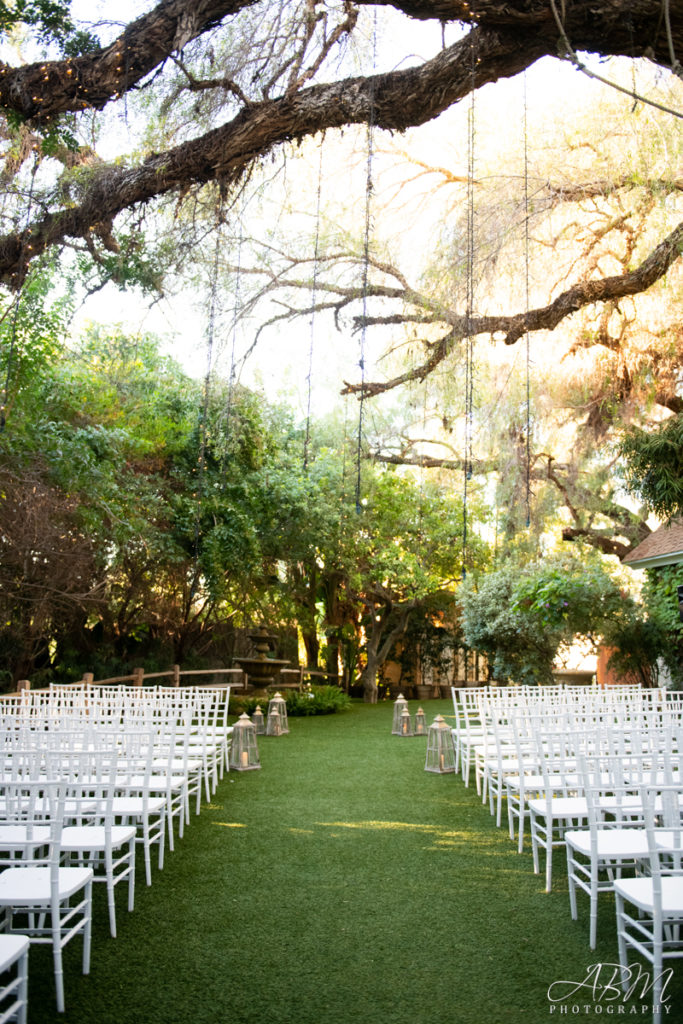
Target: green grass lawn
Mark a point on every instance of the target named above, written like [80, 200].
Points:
[341, 883]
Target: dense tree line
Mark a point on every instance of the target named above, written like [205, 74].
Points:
[145, 515]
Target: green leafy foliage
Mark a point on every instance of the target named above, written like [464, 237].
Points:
[314, 700]
[654, 466]
[520, 618]
[52, 22]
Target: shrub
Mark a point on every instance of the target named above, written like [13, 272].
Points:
[317, 700]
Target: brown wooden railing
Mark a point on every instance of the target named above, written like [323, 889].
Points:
[293, 678]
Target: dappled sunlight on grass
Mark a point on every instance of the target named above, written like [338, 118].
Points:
[229, 824]
[401, 826]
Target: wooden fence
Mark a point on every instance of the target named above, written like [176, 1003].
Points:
[290, 678]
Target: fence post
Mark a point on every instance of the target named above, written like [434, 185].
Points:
[23, 684]
[176, 675]
[138, 675]
[88, 678]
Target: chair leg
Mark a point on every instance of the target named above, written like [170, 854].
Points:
[22, 992]
[571, 884]
[621, 942]
[594, 907]
[57, 960]
[131, 876]
[87, 930]
[111, 904]
[534, 843]
[521, 821]
[657, 965]
[148, 861]
[162, 838]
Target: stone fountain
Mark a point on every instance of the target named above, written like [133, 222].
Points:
[261, 669]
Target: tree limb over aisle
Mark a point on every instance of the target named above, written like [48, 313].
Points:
[507, 37]
[514, 327]
[39, 92]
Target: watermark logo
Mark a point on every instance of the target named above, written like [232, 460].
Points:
[606, 990]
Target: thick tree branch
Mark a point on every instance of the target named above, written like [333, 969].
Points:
[393, 101]
[601, 540]
[584, 293]
[39, 92]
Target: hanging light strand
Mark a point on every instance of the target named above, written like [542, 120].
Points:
[24, 259]
[527, 301]
[469, 313]
[203, 425]
[314, 299]
[233, 330]
[369, 187]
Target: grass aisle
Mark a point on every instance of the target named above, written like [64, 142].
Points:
[339, 884]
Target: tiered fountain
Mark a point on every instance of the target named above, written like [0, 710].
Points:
[261, 669]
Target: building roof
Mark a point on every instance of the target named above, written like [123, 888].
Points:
[664, 546]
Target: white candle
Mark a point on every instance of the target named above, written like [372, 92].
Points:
[245, 758]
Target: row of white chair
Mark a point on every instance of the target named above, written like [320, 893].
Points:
[124, 777]
[582, 771]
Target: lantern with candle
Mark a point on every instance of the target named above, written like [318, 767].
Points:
[406, 724]
[440, 749]
[243, 749]
[274, 722]
[400, 704]
[420, 727]
[279, 703]
[258, 721]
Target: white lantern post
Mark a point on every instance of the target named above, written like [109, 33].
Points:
[243, 749]
[278, 702]
[400, 704]
[440, 749]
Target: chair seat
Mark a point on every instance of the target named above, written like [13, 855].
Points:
[92, 837]
[178, 764]
[129, 805]
[15, 836]
[11, 948]
[561, 806]
[31, 886]
[639, 892]
[531, 782]
[615, 843]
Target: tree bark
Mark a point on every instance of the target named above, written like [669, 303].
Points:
[507, 38]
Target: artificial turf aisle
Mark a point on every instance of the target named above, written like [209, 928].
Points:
[341, 883]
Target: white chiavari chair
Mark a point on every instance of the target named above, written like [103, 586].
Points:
[14, 986]
[40, 898]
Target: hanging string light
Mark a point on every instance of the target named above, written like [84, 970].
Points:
[24, 259]
[369, 187]
[204, 416]
[314, 296]
[527, 300]
[469, 313]
[233, 329]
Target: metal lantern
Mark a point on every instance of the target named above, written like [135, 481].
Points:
[274, 723]
[258, 721]
[420, 727]
[440, 749]
[400, 705]
[243, 749]
[406, 724]
[279, 702]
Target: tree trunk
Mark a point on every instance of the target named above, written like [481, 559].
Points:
[368, 679]
[312, 645]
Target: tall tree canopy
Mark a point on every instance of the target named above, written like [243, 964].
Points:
[252, 76]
